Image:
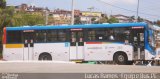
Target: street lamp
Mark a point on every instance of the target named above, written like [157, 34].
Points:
[72, 16]
[137, 10]
[46, 19]
[90, 17]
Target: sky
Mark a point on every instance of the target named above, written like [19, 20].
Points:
[148, 9]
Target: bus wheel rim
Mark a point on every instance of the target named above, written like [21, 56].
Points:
[121, 58]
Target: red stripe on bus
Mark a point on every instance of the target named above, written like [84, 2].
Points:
[93, 42]
[4, 36]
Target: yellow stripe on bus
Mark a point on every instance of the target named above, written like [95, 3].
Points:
[14, 45]
[77, 61]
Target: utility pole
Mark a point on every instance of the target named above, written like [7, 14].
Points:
[46, 19]
[72, 17]
[90, 9]
[138, 49]
[137, 11]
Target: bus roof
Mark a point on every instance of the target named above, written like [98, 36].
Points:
[115, 25]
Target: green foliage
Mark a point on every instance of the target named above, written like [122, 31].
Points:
[77, 20]
[93, 19]
[6, 16]
[51, 20]
[158, 22]
[21, 19]
[103, 20]
[113, 20]
[2, 4]
[132, 17]
[9, 17]
[140, 19]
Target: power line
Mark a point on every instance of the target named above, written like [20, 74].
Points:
[150, 2]
[126, 9]
[148, 5]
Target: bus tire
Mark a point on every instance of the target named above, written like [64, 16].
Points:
[120, 58]
[45, 56]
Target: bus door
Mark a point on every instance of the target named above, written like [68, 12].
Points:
[138, 43]
[76, 44]
[28, 45]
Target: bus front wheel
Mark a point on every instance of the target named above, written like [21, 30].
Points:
[45, 56]
[120, 58]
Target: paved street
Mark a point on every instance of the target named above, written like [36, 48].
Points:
[63, 67]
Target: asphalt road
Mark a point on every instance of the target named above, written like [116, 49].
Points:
[63, 67]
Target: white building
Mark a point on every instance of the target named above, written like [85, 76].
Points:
[123, 18]
[87, 16]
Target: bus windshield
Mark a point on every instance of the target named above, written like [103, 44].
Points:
[152, 40]
[155, 36]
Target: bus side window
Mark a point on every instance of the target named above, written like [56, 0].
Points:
[41, 36]
[51, 35]
[80, 37]
[73, 40]
[73, 37]
[62, 35]
[14, 37]
[91, 35]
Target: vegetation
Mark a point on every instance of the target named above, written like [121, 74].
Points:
[50, 20]
[77, 20]
[113, 20]
[2, 3]
[104, 19]
[93, 20]
[140, 19]
[157, 22]
[9, 17]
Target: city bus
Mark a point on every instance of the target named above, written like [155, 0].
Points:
[118, 42]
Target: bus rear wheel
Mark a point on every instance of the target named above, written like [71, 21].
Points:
[120, 58]
[45, 56]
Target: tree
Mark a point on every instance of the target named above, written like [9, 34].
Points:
[77, 20]
[132, 18]
[51, 20]
[32, 19]
[93, 19]
[2, 3]
[6, 16]
[158, 22]
[113, 20]
[104, 19]
[11, 18]
[140, 19]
